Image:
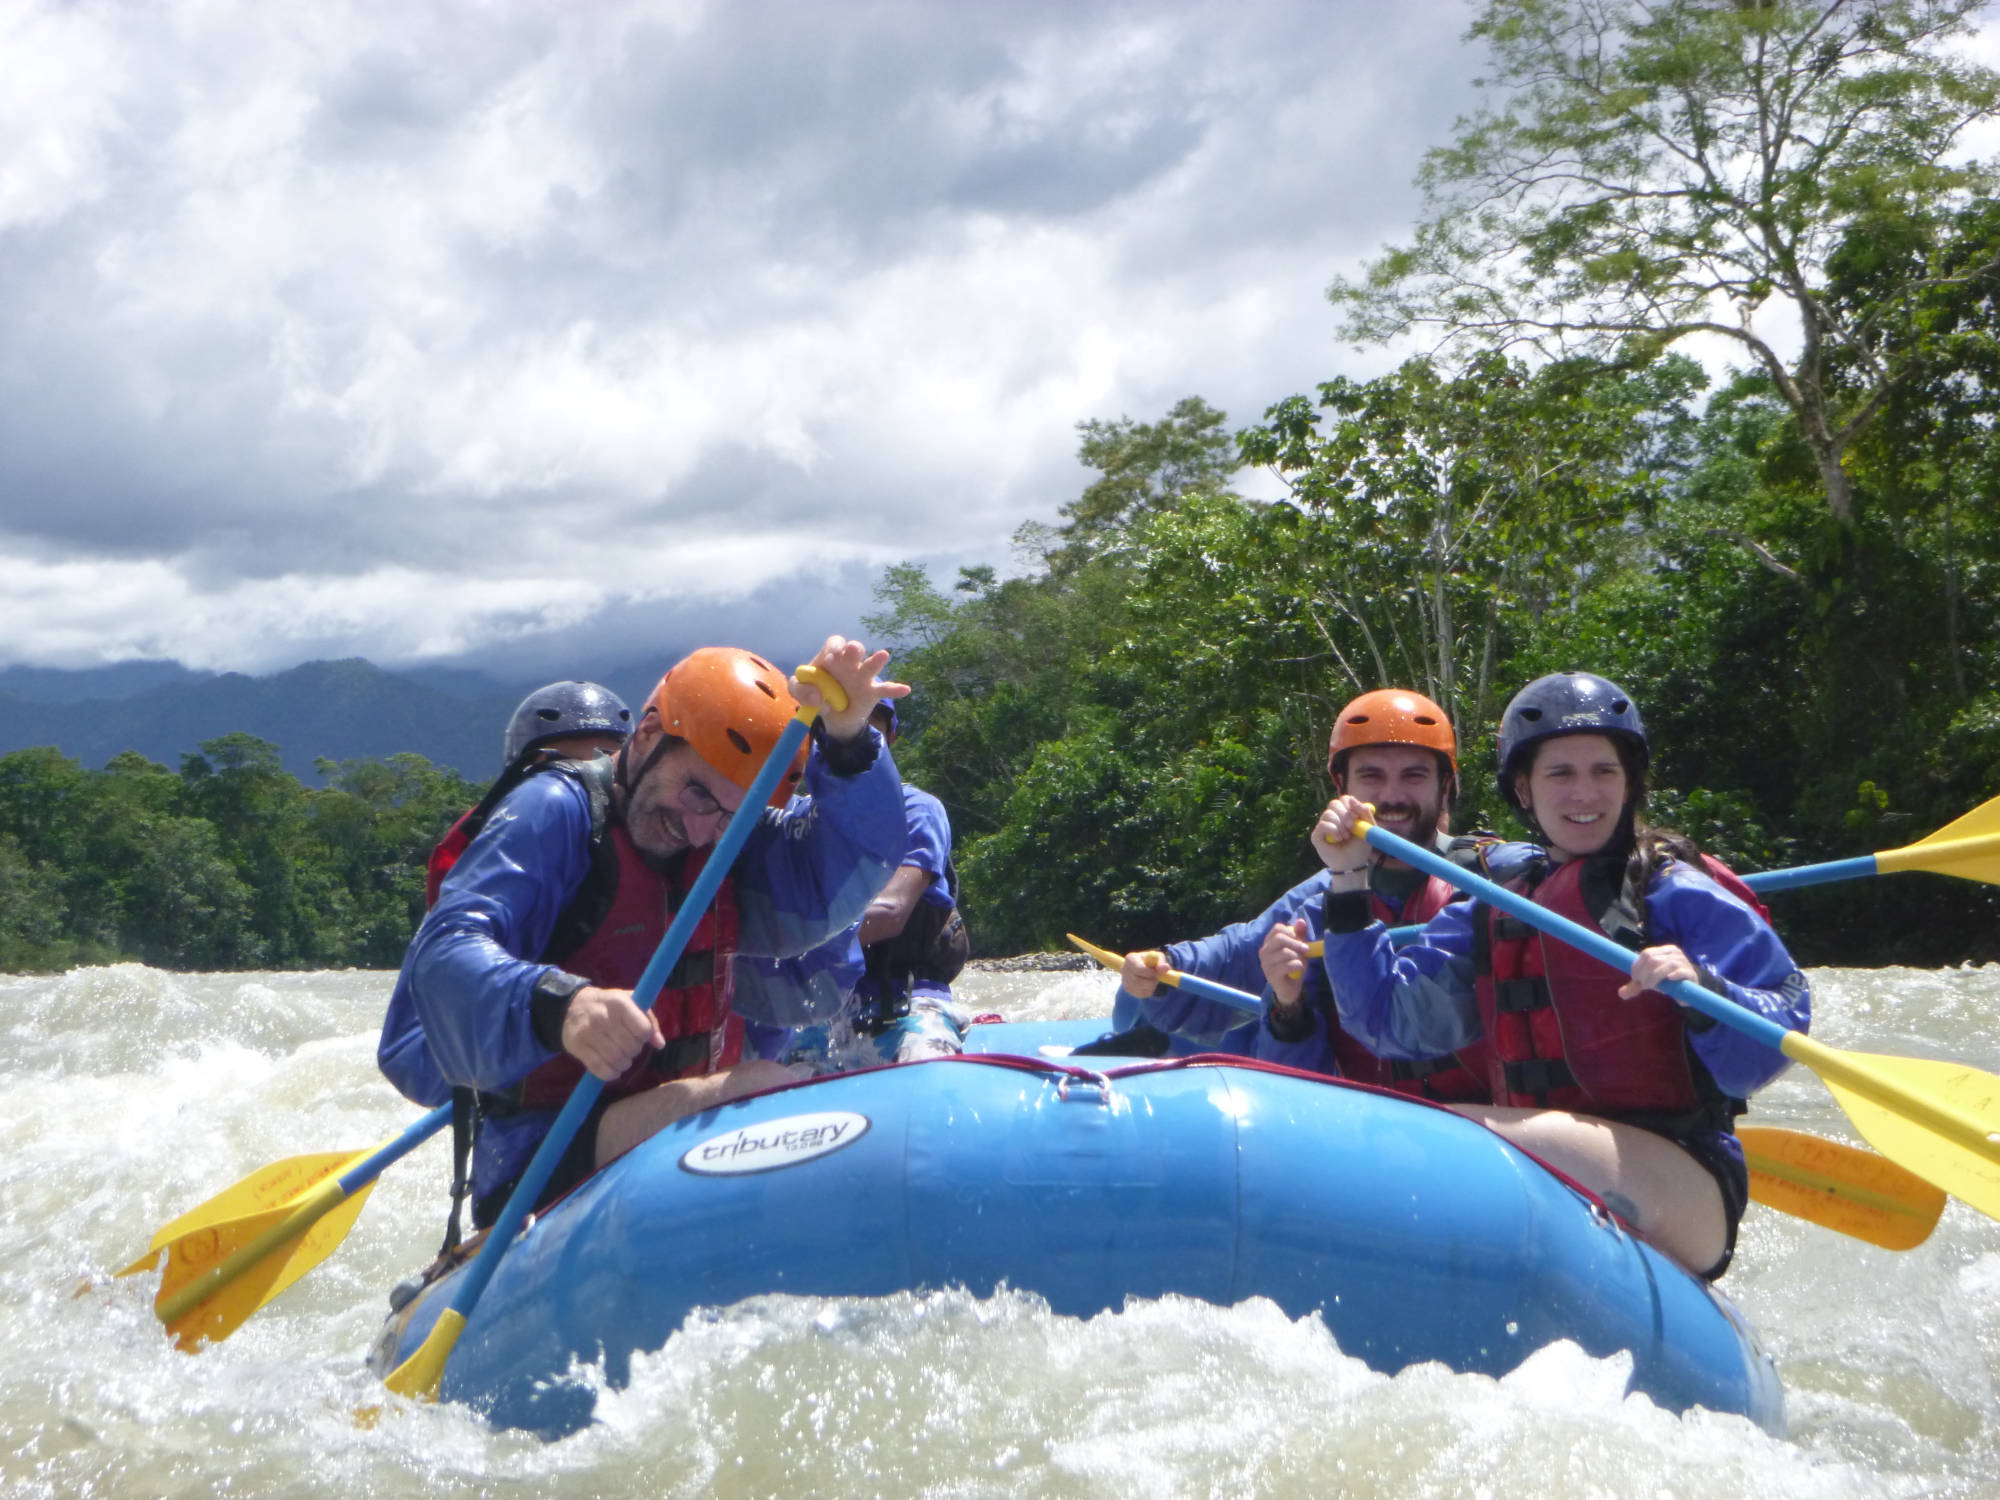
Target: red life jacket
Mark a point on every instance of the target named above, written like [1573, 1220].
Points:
[1733, 883]
[446, 854]
[693, 1007]
[460, 835]
[1559, 1036]
[1450, 1079]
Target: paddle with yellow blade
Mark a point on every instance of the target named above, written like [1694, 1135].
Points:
[232, 1254]
[1194, 984]
[1941, 1120]
[1842, 1188]
[422, 1374]
[1968, 847]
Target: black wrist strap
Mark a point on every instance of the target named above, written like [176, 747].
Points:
[548, 1005]
[1346, 911]
[1288, 1023]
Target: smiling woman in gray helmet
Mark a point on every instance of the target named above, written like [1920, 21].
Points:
[1601, 1076]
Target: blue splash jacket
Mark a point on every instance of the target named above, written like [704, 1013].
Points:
[459, 1014]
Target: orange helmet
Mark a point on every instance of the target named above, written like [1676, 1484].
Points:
[1392, 716]
[731, 705]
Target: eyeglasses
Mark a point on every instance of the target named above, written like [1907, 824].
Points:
[697, 799]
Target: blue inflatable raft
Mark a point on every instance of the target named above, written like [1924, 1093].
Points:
[1417, 1234]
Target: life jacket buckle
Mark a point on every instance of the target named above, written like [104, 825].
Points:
[1512, 996]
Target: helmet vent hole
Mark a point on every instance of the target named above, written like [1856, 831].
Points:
[762, 663]
[1620, 705]
[1532, 715]
[738, 741]
[765, 689]
[547, 715]
[1357, 718]
[1425, 719]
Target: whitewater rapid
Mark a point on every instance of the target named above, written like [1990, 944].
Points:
[135, 1094]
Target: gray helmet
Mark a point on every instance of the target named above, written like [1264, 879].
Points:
[564, 708]
[1567, 703]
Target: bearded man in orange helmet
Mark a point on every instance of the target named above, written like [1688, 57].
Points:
[1395, 749]
[521, 975]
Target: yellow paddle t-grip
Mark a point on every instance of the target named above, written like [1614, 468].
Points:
[1361, 828]
[829, 689]
[1116, 962]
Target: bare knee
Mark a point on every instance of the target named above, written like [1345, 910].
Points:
[1660, 1190]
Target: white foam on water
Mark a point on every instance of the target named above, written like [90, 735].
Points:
[134, 1095]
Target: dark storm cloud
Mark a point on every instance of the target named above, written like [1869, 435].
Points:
[311, 315]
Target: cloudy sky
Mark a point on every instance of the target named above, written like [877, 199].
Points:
[489, 332]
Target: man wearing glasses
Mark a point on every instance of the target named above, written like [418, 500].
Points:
[521, 975]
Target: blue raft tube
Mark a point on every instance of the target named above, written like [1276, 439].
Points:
[1417, 1234]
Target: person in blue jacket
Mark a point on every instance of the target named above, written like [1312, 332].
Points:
[1598, 1074]
[520, 977]
[897, 963]
[1397, 750]
[566, 720]
[913, 937]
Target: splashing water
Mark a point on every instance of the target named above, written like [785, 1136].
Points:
[136, 1094]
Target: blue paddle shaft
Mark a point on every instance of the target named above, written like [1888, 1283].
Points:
[370, 1167]
[528, 1191]
[1248, 1003]
[1223, 994]
[1596, 944]
[1833, 869]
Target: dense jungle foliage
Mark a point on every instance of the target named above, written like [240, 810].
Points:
[230, 863]
[1792, 567]
[1793, 570]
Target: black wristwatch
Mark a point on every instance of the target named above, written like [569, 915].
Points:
[548, 1004]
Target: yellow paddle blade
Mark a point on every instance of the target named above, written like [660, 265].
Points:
[1968, 848]
[1983, 819]
[220, 1274]
[274, 1186]
[1840, 1187]
[1939, 1119]
[1110, 960]
[420, 1376]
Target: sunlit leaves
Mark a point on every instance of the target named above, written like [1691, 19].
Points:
[1669, 168]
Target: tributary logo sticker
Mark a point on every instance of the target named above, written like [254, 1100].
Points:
[775, 1144]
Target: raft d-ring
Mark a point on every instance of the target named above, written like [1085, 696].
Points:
[1095, 1081]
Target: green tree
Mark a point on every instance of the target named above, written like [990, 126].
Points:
[259, 811]
[184, 907]
[1660, 168]
[31, 913]
[373, 828]
[1145, 468]
[1449, 507]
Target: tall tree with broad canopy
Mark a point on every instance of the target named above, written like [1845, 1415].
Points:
[1653, 169]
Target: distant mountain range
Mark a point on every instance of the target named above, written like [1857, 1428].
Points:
[342, 710]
